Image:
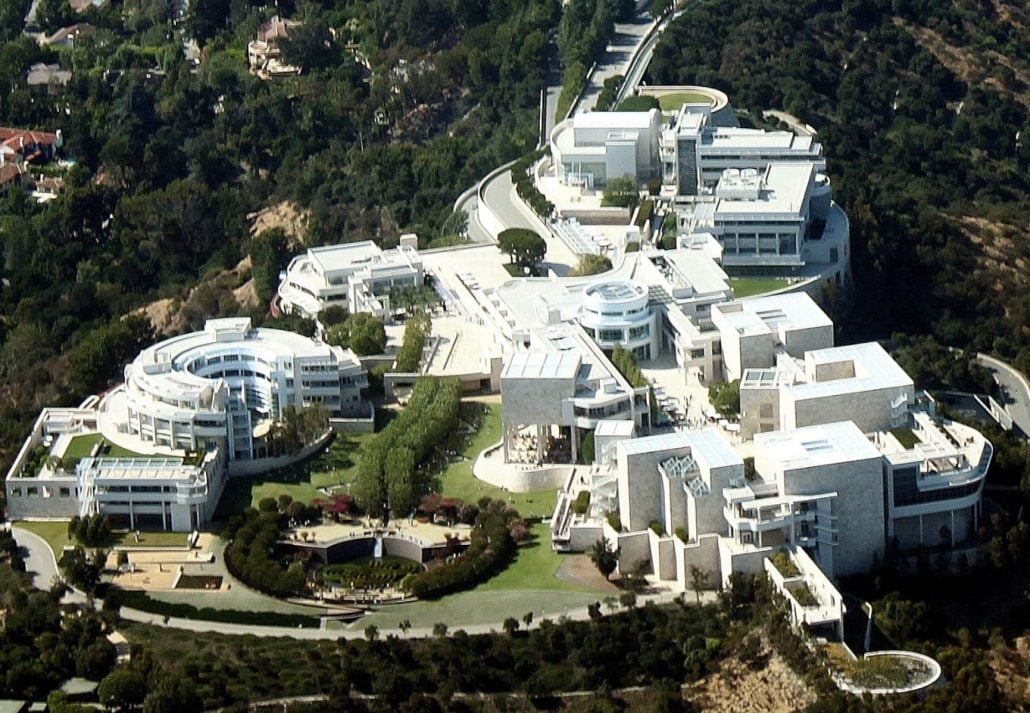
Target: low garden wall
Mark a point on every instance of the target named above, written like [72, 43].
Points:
[351, 548]
[239, 469]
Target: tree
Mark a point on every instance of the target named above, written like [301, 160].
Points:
[439, 629]
[372, 632]
[269, 251]
[122, 689]
[524, 247]
[604, 557]
[361, 332]
[698, 579]
[333, 314]
[621, 192]
[511, 625]
[725, 397]
[309, 46]
[401, 489]
[171, 694]
[591, 265]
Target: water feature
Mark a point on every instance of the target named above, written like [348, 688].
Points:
[377, 549]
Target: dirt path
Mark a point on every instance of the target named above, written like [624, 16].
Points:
[578, 569]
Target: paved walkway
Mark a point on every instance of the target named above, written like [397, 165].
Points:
[1015, 390]
[39, 558]
[358, 632]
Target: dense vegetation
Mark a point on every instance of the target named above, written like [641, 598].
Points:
[369, 573]
[416, 336]
[584, 31]
[361, 332]
[392, 475]
[251, 553]
[409, 105]
[923, 155]
[491, 547]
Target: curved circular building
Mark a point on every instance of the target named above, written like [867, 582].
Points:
[616, 313]
[228, 383]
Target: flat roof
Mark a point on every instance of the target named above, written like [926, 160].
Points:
[785, 186]
[614, 120]
[773, 314]
[696, 268]
[739, 138]
[141, 468]
[331, 258]
[614, 428]
[812, 446]
[874, 369]
[542, 365]
[707, 446]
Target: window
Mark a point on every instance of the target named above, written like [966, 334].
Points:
[638, 332]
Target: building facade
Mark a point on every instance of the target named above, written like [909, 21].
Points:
[356, 276]
[227, 384]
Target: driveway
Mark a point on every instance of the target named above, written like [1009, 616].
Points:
[1015, 391]
[39, 560]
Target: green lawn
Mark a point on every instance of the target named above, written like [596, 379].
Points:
[906, 437]
[335, 466]
[457, 480]
[534, 568]
[671, 102]
[82, 446]
[55, 533]
[751, 286]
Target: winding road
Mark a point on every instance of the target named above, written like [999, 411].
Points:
[1015, 390]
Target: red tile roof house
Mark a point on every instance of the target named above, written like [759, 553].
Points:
[12, 175]
[25, 145]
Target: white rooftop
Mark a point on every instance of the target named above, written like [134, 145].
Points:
[542, 365]
[785, 186]
[737, 138]
[775, 313]
[331, 258]
[693, 268]
[614, 428]
[872, 368]
[813, 446]
[707, 446]
[614, 120]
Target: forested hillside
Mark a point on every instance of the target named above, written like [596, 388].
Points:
[918, 104]
[401, 105]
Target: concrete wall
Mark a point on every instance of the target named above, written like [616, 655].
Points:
[244, 468]
[582, 537]
[47, 502]
[702, 553]
[535, 401]
[751, 561]
[858, 509]
[870, 410]
[663, 556]
[751, 419]
[356, 424]
[633, 548]
[799, 341]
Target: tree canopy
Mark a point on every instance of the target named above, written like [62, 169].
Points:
[361, 332]
[524, 247]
